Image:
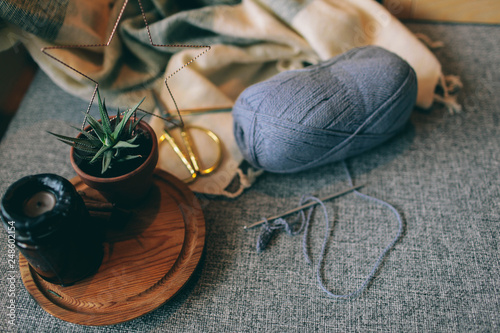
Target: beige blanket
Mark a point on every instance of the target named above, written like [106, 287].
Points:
[250, 41]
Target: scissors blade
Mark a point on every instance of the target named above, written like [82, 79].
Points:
[166, 136]
[188, 143]
[193, 154]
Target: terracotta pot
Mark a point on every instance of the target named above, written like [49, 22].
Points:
[130, 187]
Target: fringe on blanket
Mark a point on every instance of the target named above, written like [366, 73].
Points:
[450, 84]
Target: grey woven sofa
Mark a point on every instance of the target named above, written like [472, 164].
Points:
[442, 174]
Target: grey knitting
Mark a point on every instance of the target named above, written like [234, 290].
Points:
[268, 229]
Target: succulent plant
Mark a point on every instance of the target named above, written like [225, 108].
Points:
[110, 141]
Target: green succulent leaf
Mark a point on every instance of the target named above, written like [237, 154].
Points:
[116, 120]
[99, 153]
[97, 127]
[119, 128]
[83, 141]
[83, 157]
[103, 112]
[128, 158]
[133, 126]
[133, 139]
[88, 135]
[84, 148]
[109, 141]
[81, 146]
[124, 144]
[106, 160]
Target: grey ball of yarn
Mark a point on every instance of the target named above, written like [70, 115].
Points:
[300, 119]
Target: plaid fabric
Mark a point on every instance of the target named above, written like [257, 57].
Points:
[251, 39]
[41, 18]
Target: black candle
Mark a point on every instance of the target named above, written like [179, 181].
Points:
[53, 228]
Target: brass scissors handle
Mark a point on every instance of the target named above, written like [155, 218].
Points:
[192, 161]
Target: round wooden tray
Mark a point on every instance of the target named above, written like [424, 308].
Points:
[145, 262]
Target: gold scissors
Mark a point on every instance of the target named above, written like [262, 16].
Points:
[192, 161]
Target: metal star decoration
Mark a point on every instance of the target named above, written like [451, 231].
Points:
[206, 48]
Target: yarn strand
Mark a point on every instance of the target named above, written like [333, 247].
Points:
[370, 276]
[268, 229]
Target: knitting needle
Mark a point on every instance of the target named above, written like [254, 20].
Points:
[312, 203]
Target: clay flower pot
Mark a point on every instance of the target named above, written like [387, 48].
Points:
[127, 188]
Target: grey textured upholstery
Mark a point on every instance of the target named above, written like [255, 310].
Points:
[442, 174]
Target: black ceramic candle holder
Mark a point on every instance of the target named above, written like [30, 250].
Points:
[53, 229]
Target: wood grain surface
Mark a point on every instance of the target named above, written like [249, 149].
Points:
[465, 11]
[146, 261]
